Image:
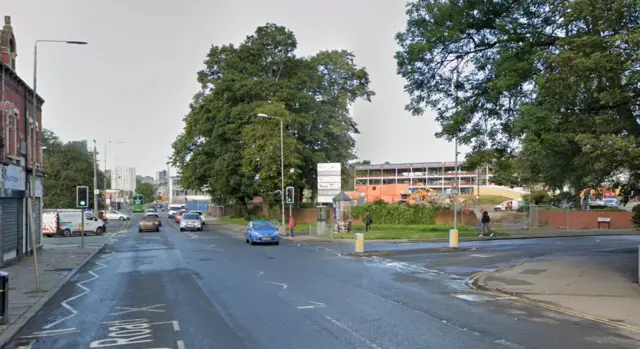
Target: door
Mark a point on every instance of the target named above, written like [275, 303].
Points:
[11, 222]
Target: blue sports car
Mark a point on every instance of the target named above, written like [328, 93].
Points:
[261, 232]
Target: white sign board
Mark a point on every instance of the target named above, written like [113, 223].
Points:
[329, 182]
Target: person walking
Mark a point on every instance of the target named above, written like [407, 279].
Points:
[486, 220]
[292, 225]
[368, 220]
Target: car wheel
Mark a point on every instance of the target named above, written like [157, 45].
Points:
[139, 230]
[250, 242]
[277, 243]
[67, 232]
[158, 230]
[200, 229]
[121, 218]
[181, 229]
[99, 231]
[246, 240]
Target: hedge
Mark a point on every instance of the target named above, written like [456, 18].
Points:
[396, 214]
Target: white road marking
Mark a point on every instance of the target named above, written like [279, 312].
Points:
[85, 291]
[481, 255]
[306, 307]
[180, 344]
[260, 273]
[284, 286]
[213, 247]
[176, 325]
[353, 333]
[52, 333]
[148, 309]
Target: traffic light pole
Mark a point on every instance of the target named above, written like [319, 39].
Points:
[82, 229]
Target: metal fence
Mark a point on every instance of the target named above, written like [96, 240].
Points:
[534, 217]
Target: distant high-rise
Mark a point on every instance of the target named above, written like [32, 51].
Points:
[161, 175]
[124, 178]
[80, 144]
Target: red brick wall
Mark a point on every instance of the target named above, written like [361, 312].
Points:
[584, 219]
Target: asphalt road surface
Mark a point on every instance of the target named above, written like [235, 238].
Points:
[209, 289]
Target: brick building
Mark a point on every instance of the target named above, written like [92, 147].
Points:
[20, 136]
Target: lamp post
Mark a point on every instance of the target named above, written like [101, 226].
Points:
[169, 183]
[453, 233]
[95, 179]
[32, 156]
[281, 164]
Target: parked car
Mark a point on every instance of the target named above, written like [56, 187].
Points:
[261, 232]
[116, 215]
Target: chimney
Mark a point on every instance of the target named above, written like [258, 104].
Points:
[8, 50]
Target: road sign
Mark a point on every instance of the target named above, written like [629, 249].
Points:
[329, 181]
[7, 106]
[454, 188]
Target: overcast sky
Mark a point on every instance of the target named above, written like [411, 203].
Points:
[135, 79]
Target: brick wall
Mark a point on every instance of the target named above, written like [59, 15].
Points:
[584, 219]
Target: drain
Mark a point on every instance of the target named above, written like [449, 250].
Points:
[22, 344]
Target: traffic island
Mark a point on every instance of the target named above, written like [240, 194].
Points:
[600, 286]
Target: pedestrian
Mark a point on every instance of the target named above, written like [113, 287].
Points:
[367, 222]
[292, 224]
[485, 223]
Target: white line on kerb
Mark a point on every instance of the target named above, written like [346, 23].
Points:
[180, 344]
[353, 333]
[85, 291]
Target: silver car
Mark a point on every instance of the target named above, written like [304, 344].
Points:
[190, 221]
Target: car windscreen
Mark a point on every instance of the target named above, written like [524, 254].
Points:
[152, 215]
[190, 216]
[263, 225]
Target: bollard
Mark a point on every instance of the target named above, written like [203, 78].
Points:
[453, 238]
[359, 243]
[4, 297]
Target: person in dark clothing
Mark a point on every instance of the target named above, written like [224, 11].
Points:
[485, 224]
[367, 222]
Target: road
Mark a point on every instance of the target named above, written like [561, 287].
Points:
[211, 290]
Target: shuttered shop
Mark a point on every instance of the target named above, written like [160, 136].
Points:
[11, 222]
[37, 220]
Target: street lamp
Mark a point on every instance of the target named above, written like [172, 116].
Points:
[169, 182]
[281, 164]
[32, 183]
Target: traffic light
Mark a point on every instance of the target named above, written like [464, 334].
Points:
[289, 195]
[82, 196]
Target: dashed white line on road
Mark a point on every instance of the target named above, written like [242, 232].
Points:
[353, 333]
[180, 344]
[51, 333]
[85, 291]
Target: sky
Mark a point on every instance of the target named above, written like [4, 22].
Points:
[135, 79]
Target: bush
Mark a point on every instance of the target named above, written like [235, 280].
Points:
[636, 216]
[397, 214]
[540, 198]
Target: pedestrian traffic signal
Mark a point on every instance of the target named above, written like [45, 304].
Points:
[82, 196]
[289, 195]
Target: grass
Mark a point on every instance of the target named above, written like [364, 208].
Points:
[396, 232]
[492, 200]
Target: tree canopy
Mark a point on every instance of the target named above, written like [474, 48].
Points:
[232, 153]
[146, 189]
[67, 166]
[549, 91]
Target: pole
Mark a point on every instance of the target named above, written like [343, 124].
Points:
[282, 172]
[455, 203]
[95, 179]
[290, 215]
[170, 183]
[105, 169]
[32, 184]
[82, 229]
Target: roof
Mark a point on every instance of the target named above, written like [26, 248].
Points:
[13, 74]
[407, 165]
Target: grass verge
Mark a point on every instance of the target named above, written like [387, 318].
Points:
[400, 232]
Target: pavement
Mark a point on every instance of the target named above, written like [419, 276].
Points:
[602, 284]
[210, 290]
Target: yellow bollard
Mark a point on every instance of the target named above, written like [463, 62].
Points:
[359, 243]
[453, 238]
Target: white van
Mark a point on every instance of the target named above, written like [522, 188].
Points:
[173, 209]
[70, 221]
[509, 205]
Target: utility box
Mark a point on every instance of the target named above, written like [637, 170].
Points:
[323, 220]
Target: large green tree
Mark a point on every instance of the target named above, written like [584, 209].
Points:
[66, 166]
[146, 189]
[234, 154]
[553, 84]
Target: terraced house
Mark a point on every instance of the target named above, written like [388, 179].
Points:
[21, 136]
